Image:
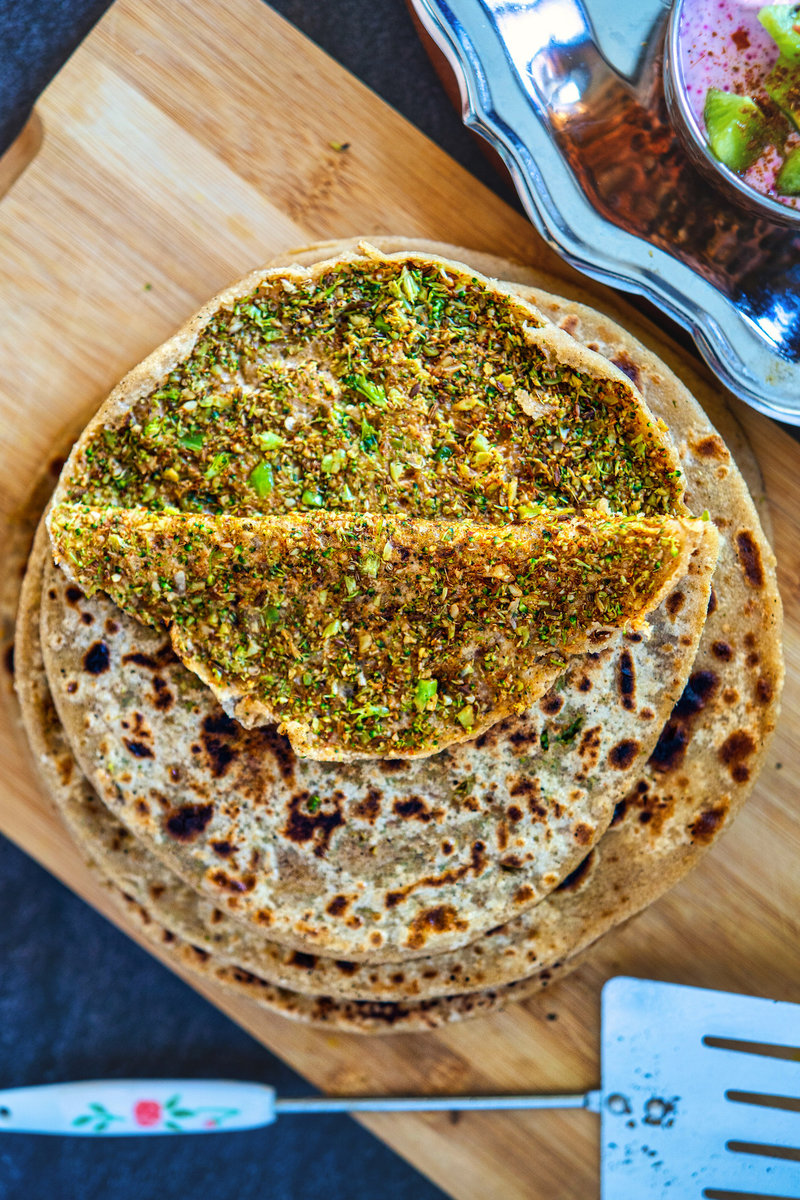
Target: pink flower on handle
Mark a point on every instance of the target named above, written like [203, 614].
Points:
[147, 1112]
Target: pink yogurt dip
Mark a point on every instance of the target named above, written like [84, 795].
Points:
[724, 45]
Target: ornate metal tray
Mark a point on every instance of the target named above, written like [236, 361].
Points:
[573, 101]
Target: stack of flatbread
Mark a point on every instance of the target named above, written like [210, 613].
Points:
[393, 633]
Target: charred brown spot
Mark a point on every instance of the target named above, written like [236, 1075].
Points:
[523, 894]
[266, 739]
[622, 755]
[306, 961]
[626, 680]
[619, 812]
[705, 827]
[583, 833]
[318, 826]
[750, 558]
[699, 690]
[138, 749]
[87, 618]
[369, 808]
[229, 883]
[737, 747]
[551, 704]
[74, 595]
[66, 766]
[572, 882]
[111, 626]
[675, 736]
[188, 823]
[722, 650]
[511, 862]
[570, 324]
[163, 657]
[96, 659]
[730, 696]
[163, 698]
[220, 737]
[711, 447]
[394, 765]
[413, 808]
[763, 690]
[447, 847]
[441, 919]
[347, 968]
[674, 603]
[585, 684]
[514, 813]
[628, 367]
[599, 635]
[451, 875]
[523, 785]
[337, 906]
[223, 849]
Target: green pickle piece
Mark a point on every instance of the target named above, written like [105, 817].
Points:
[788, 181]
[782, 23]
[736, 128]
[783, 87]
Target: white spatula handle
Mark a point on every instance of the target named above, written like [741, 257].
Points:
[110, 1107]
[123, 1107]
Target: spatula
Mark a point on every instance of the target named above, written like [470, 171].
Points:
[700, 1097]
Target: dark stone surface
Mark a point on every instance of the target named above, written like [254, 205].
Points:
[77, 998]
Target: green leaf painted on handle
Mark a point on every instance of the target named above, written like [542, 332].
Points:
[84, 1120]
[172, 1125]
[182, 1112]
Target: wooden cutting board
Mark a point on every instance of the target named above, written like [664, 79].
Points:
[183, 144]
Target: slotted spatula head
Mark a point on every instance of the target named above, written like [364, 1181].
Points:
[700, 1094]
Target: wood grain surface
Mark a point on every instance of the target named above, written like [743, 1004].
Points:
[182, 145]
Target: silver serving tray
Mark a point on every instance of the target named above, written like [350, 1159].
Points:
[575, 108]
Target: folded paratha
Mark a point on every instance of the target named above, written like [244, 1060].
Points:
[369, 636]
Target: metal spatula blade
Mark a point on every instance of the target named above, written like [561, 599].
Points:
[700, 1090]
[700, 1096]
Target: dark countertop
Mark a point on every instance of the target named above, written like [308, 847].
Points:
[79, 1000]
